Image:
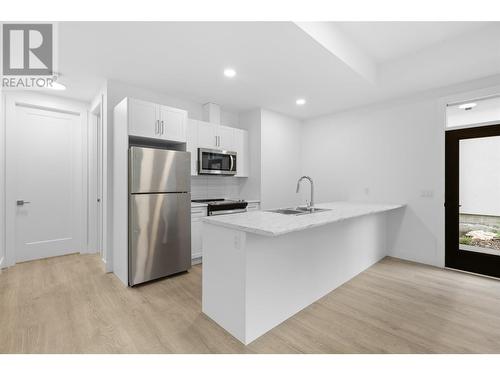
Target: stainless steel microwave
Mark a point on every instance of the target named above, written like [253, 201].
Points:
[220, 162]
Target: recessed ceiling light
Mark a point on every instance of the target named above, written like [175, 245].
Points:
[467, 106]
[300, 101]
[230, 73]
[57, 86]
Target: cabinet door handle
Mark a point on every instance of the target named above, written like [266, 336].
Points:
[162, 127]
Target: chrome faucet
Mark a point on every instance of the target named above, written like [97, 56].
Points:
[311, 203]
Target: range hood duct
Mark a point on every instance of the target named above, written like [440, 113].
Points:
[211, 113]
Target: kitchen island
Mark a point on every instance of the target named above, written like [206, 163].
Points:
[260, 268]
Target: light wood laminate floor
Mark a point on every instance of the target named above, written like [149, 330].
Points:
[69, 305]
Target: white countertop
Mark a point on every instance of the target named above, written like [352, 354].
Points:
[252, 200]
[274, 224]
[197, 204]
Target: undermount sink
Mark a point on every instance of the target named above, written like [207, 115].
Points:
[298, 210]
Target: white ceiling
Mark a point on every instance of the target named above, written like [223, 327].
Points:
[277, 62]
[386, 41]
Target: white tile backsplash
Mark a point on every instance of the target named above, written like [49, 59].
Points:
[206, 187]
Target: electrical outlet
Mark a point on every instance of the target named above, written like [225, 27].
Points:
[237, 242]
[426, 193]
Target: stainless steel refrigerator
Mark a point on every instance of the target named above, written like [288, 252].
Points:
[159, 213]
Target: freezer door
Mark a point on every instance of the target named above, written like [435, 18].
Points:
[160, 235]
[159, 171]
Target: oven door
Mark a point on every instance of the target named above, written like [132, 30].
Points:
[216, 162]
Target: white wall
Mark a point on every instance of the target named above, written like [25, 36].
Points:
[281, 160]
[486, 110]
[251, 121]
[480, 176]
[275, 158]
[390, 152]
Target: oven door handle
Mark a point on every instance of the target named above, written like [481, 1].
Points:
[226, 212]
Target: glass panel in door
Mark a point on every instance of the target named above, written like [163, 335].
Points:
[479, 195]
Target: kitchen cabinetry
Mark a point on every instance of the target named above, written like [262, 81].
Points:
[143, 119]
[215, 136]
[206, 135]
[225, 136]
[192, 144]
[150, 120]
[196, 230]
[202, 134]
[173, 123]
[241, 148]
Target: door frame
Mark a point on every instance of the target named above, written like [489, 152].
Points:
[52, 103]
[480, 263]
[96, 139]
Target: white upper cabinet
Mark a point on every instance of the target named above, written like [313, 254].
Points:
[192, 144]
[157, 121]
[242, 155]
[143, 119]
[172, 123]
[225, 140]
[207, 137]
[215, 136]
[202, 134]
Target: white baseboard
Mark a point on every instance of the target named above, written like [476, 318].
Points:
[196, 260]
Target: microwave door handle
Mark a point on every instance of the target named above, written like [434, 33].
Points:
[232, 163]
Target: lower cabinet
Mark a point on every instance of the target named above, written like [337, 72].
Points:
[197, 213]
[196, 231]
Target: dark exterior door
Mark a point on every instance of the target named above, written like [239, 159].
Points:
[472, 200]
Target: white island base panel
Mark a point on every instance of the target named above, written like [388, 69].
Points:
[252, 283]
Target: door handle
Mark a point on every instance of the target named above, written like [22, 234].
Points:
[22, 202]
[162, 127]
[232, 163]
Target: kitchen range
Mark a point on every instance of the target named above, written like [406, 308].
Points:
[223, 206]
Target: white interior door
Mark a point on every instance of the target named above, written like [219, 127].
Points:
[44, 174]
